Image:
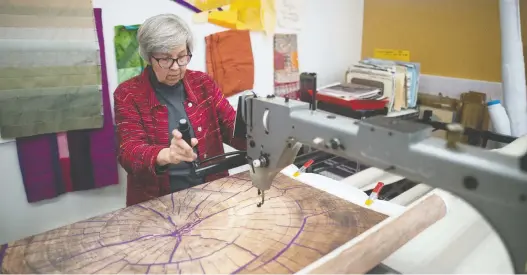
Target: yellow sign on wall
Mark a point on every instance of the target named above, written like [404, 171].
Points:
[395, 55]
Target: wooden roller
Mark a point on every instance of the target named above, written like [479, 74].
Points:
[372, 247]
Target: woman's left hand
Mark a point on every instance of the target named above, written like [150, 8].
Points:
[180, 150]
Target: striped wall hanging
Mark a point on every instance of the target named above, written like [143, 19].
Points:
[54, 164]
[49, 67]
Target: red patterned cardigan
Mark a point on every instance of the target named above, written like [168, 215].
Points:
[142, 130]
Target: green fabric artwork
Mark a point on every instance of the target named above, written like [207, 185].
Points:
[129, 62]
[125, 74]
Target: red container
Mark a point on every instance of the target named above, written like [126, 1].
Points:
[356, 105]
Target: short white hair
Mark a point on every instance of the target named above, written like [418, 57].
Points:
[162, 34]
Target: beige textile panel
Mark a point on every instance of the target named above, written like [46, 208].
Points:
[50, 79]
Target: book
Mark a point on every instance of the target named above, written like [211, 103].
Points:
[352, 91]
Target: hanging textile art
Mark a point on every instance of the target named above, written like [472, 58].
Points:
[54, 164]
[49, 68]
[286, 69]
[254, 15]
[129, 62]
[230, 61]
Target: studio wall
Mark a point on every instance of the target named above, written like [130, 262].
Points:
[327, 45]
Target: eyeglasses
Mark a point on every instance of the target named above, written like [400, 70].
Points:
[167, 63]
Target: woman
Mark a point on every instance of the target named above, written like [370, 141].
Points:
[149, 107]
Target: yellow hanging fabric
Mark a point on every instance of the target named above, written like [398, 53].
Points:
[248, 14]
[253, 15]
[268, 16]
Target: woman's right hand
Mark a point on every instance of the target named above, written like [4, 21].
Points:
[178, 151]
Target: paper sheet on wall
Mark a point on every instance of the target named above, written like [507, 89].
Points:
[289, 13]
[395, 55]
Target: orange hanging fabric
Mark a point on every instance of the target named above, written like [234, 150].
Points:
[230, 61]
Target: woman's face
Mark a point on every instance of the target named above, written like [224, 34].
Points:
[166, 65]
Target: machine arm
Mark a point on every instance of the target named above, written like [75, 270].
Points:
[229, 161]
[494, 184]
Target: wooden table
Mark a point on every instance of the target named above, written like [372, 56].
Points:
[213, 228]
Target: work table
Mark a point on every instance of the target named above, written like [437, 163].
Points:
[217, 228]
[460, 242]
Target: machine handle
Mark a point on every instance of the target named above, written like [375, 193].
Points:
[232, 160]
[184, 129]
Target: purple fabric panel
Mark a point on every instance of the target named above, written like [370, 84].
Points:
[103, 146]
[3, 249]
[81, 170]
[38, 159]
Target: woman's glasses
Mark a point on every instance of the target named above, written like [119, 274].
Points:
[167, 62]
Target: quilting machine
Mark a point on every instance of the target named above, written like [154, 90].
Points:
[494, 184]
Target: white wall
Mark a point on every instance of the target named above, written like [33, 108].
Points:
[330, 40]
[328, 43]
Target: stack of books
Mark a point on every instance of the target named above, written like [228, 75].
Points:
[398, 81]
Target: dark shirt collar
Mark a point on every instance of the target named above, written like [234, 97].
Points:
[158, 85]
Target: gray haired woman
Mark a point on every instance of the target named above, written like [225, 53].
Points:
[150, 107]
